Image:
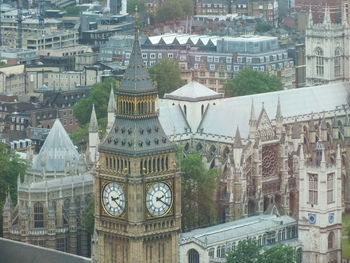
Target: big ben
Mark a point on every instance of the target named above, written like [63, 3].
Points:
[137, 186]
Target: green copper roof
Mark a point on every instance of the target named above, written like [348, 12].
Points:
[136, 78]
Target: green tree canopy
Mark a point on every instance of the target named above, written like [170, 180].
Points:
[249, 81]
[89, 216]
[141, 6]
[167, 75]
[11, 166]
[248, 251]
[99, 95]
[198, 188]
[173, 9]
[262, 27]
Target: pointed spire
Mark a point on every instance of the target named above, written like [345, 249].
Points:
[310, 21]
[278, 111]
[111, 102]
[327, 16]
[238, 141]
[323, 123]
[252, 112]
[93, 126]
[344, 17]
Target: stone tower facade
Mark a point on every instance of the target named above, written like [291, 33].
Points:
[320, 207]
[137, 188]
[327, 46]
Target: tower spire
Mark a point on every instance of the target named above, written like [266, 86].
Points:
[238, 141]
[310, 21]
[327, 16]
[93, 126]
[278, 111]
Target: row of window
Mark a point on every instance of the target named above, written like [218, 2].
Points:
[313, 188]
[269, 238]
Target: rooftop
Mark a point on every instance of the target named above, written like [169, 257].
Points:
[193, 91]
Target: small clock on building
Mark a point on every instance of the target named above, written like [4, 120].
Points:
[312, 218]
[331, 218]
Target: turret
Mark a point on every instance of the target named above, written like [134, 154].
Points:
[279, 119]
[111, 109]
[252, 122]
[51, 223]
[237, 149]
[7, 214]
[72, 224]
[93, 137]
[327, 17]
[324, 129]
[310, 21]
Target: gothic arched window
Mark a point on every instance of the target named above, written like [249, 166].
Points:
[38, 215]
[193, 256]
[313, 189]
[330, 240]
[319, 62]
[337, 63]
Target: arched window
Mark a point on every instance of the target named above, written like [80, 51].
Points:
[313, 189]
[330, 240]
[185, 110]
[193, 256]
[319, 62]
[337, 62]
[202, 109]
[38, 215]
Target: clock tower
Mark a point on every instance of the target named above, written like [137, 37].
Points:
[137, 186]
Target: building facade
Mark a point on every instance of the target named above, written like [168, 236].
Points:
[51, 198]
[326, 49]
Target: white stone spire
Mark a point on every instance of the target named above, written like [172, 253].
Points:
[327, 16]
[310, 21]
[93, 137]
[111, 109]
[93, 126]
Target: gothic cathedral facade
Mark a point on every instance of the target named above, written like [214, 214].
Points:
[137, 183]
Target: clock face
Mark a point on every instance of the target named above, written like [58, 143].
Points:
[331, 218]
[312, 218]
[159, 199]
[113, 199]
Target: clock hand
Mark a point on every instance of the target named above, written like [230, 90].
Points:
[114, 199]
[160, 199]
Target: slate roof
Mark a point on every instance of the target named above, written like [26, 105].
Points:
[223, 117]
[136, 78]
[136, 137]
[56, 150]
[193, 91]
[239, 228]
[17, 252]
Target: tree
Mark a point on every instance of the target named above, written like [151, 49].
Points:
[167, 76]
[131, 7]
[99, 95]
[72, 11]
[261, 27]
[197, 193]
[89, 216]
[11, 166]
[173, 9]
[249, 81]
[280, 254]
[247, 251]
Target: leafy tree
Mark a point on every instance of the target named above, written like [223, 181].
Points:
[198, 187]
[249, 81]
[72, 11]
[89, 216]
[167, 76]
[99, 95]
[247, 251]
[173, 9]
[280, 254]
[11, 166]
[141, 6]
[261, 27]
